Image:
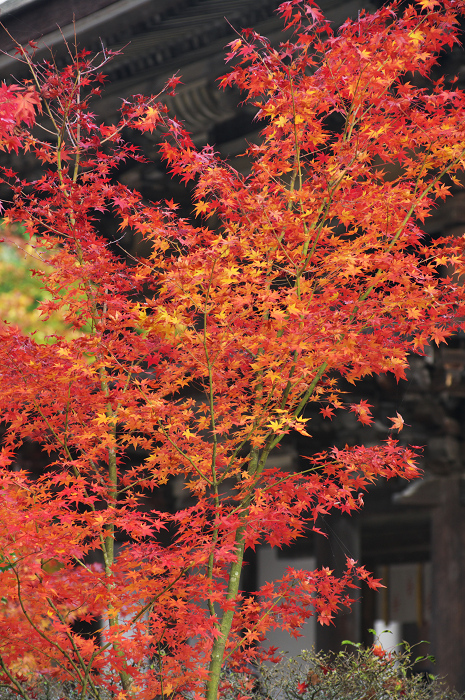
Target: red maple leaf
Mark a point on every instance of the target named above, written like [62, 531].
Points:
[27, 101]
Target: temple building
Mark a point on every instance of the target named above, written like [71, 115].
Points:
[410, 535]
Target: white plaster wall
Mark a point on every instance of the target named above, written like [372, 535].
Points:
[271, 568]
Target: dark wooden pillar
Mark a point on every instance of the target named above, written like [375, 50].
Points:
[448, 602]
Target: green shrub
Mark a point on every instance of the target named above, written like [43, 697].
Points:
[353, 674]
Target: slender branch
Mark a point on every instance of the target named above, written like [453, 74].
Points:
[211, 406]
[17, 686]
[41, 634]
[155, 598]
[183, 454]
[85, 667]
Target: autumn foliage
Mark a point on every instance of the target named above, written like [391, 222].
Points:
[199, 354]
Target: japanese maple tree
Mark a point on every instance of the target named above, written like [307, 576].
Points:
[203, 352]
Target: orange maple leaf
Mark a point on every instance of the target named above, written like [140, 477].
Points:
[397, 422]
[201, 207]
